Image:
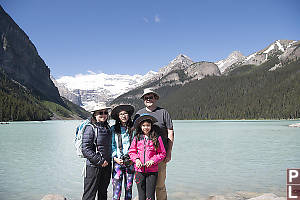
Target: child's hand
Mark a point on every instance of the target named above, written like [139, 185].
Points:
[118, 160]
[138, 163]
[149, 163]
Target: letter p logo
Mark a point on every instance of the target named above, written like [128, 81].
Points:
[293, 173]
[293, 184]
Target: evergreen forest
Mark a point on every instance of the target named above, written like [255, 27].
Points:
[17, 103]
[247, 92]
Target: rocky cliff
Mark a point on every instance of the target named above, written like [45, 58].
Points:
[199, 70]
[20, 61]
[233, 58]
[182, 70]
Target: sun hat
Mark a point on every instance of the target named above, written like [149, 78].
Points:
[100, 107]
[126, 107]
[149, 91]
[143, 117]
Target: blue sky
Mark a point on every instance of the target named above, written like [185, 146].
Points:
[136, 36]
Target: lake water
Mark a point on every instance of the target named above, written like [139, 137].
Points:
[209, 158]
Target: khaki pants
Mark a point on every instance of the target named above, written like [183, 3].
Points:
[161, 192]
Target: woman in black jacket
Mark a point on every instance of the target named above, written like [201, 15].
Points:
[96, 148]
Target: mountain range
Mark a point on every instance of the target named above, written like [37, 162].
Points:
[264, 84]
[92, 89]
[88, 90]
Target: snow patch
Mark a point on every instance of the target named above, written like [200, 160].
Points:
[270, 48]
[116, 84]
[280, 47]
[251, 56]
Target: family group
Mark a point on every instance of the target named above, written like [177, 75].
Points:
[135, 149]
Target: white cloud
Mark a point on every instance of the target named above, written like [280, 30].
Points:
[156, 19]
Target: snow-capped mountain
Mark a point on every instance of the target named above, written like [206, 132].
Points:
[234, 57]
[180, 62]
[92, 89]
[278, 48]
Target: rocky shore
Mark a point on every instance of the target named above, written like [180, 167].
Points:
[236, 196]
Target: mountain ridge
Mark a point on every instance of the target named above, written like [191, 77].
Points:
[247, 92]
[27, 92]
[182, 70]
[21, 62]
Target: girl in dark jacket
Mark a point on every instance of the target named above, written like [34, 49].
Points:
[96, 148]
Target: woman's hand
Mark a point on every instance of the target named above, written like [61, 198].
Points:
[149, 163]
[138, 163]
[104, 164]
[118, 160]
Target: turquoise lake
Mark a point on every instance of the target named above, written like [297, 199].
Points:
[209, 158]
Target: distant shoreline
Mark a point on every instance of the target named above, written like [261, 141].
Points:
[297, 124]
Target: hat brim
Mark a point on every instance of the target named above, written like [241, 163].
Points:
[115, 112]
[98, 109]
[155, 94]
[143, 118]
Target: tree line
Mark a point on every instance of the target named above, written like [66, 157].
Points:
[248, 92]
[17, 104]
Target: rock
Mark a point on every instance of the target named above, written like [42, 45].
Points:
[245, 195]
[54, 197]
[217, 197]
[267, 196]
[199, 70]
[295, 125]
[234, 57]
[171, 77]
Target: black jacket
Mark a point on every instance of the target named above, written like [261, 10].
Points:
[103, 143]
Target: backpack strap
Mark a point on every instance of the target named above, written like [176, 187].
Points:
[120, 145]
[95, 130]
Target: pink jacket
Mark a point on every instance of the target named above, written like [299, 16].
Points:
[145, 151]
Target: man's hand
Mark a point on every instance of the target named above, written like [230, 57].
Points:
[168, 157]
[170, 145]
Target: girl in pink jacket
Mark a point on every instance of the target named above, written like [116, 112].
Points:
[146, 151]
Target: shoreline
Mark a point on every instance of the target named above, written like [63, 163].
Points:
[244, 120]
[240, 195]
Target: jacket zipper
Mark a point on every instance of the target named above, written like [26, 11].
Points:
[144, 154]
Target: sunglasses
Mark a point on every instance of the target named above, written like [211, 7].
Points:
[148, 98]
[102, 113]
[123, 114]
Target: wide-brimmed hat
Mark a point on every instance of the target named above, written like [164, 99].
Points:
[115, 112]
[149, 91]
[100, 107]
[142, 118]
